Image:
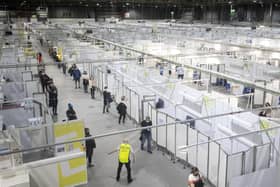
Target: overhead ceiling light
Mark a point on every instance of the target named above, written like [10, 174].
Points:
[97, 4]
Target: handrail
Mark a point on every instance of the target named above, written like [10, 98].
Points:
[155, 126]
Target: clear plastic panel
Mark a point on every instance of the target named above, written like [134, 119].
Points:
[145, 110]
[171, 135]
[192, 151]
[117, 90]
[128, 101]
[133, 105]
[202, 154]
[137, 109]
[263, 157]
[161, 119]
[181, 139]
[120, 90]
[234, 165]
[111, 83]
[104, 81]
[213, 162]
[154, 120]
[249, 161]
[222, 169]
[99, 79]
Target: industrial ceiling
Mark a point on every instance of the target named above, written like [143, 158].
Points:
[23, 4]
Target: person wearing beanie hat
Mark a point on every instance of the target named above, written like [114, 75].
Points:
[70, 113]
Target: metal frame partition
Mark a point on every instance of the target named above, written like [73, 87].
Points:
[218, 166]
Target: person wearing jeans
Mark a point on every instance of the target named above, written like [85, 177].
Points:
[146, 134]
[76, 76]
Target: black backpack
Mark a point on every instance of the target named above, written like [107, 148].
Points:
[85, 81]
[199, 183]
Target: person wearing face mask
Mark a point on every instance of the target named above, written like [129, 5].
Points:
[195, 179]
[146, 134]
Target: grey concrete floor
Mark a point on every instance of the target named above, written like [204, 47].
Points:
[149, 169]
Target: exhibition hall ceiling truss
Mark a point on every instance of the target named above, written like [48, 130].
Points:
[21, 4]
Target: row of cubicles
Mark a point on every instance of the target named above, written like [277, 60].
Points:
[216, 164]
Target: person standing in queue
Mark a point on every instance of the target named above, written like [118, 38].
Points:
[146, 134]
[64, 68]
[125, 152]
[90, 146]
[85, 78]
[180, 72]
[53, 98]
[122, 110]
[70, 113]
[92, 87]
[106, 97]
[77, 77]
[195, 179]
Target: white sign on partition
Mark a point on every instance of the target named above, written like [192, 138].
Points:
[27, 76]
[31, 87]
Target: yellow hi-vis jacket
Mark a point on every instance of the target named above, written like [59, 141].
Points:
[124, 153]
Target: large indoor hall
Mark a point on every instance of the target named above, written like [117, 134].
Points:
[160, 93]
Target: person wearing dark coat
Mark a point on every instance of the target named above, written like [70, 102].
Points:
[122, 110]
[53, 98]
[64, 68]
[70, 113]
[44, 80]
[146, 134]
[77, 77]
[90, 146]
[106, 100]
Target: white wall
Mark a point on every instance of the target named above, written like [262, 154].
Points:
[263, 178]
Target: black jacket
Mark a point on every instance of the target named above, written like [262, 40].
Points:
[121, 108]
[71, 114]
[90, 144]
[52, 97]
[145, 123]
[106, 97]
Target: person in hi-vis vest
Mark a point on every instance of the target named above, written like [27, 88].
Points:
[125, 151]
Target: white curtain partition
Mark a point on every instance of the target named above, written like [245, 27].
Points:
[181, 139]
[214, 160]
[234, 165]
[202, 156]
[171, 135]
[215, 163]
[161, 119]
